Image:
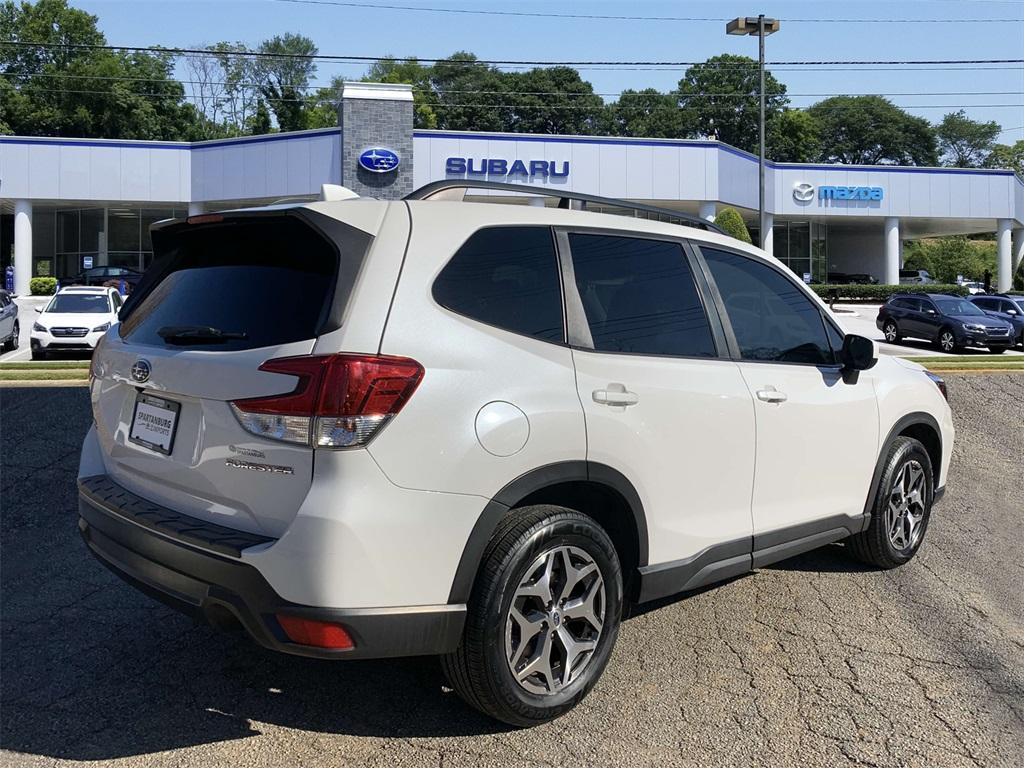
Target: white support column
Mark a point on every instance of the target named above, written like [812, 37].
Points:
[892, 251]
[708, 211]
[22, 246]
[1016, 250]
[194, 209]
[1004, 271]
[769, 234]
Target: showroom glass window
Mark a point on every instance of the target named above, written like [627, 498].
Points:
[771, 317]
[639, 296]
[506, 277]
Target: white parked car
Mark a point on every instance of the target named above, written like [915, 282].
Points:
[974, 288]
[477, 430]
[75, 319]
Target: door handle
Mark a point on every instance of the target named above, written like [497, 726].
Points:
[771, 395]
[615, 394]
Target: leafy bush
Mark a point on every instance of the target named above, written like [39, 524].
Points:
[946, 258]
[730, 221]
[43, 286]
[883, 292]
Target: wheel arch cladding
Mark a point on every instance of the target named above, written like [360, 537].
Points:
[920, 426]
[596, 490]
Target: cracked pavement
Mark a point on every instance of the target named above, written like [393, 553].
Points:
[813, 661]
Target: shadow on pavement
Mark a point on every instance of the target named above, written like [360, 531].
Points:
[92, 669]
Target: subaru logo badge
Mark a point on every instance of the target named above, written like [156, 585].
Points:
[141, 370]
[803, 192]
[379, 160]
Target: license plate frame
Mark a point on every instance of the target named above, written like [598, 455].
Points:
[144, 398]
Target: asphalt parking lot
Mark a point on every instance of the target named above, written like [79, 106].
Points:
[813, 661]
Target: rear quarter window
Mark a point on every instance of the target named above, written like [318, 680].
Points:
[506, 277]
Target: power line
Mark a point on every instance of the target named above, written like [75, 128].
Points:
[493, 105]
[347, 58]
[571, 94]
[604, 17]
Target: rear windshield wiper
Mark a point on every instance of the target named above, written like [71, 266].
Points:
[198, 334]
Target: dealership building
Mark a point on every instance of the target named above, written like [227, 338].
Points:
[66, 204]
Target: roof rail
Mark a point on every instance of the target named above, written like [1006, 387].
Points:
[436, 189]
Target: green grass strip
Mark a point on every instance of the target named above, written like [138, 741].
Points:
[64, 375]
[965, 359]
[38, 365]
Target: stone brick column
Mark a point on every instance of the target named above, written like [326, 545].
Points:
[376, 115]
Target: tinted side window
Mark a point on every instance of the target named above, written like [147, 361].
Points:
[771, 317]
[507, 277]
[639, 296]
[926, 305]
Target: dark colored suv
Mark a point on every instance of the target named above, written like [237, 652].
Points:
[105, 274]
[951, 322]
[1009, 309]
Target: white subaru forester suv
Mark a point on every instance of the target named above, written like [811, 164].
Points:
[366, 429]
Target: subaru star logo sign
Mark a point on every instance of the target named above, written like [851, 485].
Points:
[141, 370]
[379, 160]
[803, 192]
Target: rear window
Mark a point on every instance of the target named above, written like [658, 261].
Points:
[259, 282]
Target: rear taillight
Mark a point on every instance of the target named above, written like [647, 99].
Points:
[339, 401]
[939, 382]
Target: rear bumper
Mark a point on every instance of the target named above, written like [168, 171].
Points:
[221, 589]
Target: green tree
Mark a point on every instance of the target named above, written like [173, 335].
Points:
[284, 73]
[553, 100]
[649, 113]
[470, 96]
[1007, 156]
[85, 92]
[794, 136]
[947, 258]
[965, 143]
[259, 121]
[391, 70]
[872, 130]
[730, 220]
[720, 100]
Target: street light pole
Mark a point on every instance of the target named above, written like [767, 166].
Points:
[762, 27]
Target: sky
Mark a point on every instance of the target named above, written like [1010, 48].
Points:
[821, 30]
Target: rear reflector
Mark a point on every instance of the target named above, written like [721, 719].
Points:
[339, 401]
[319, 634]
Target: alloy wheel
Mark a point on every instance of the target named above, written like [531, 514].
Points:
[15, 340]
[555, 620]
[947, 341]
[890, 332]
[904, 516]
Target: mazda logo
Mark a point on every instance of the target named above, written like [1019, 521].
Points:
[141, 370]
[803, 192]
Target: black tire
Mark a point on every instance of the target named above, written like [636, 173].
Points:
[997, 350]
[941, 343]
[39, 354]
[15, 340]
[875, 546]
[890, 327]
[478, 670]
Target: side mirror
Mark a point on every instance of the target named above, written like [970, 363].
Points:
[1012, 312]
[859, 353]
[931, 311]
[39, 310]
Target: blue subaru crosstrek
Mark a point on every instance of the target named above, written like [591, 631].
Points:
[950, 322]
[1007, 308]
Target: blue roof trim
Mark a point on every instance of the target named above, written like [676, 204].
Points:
[109, 143]
[58, 141]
